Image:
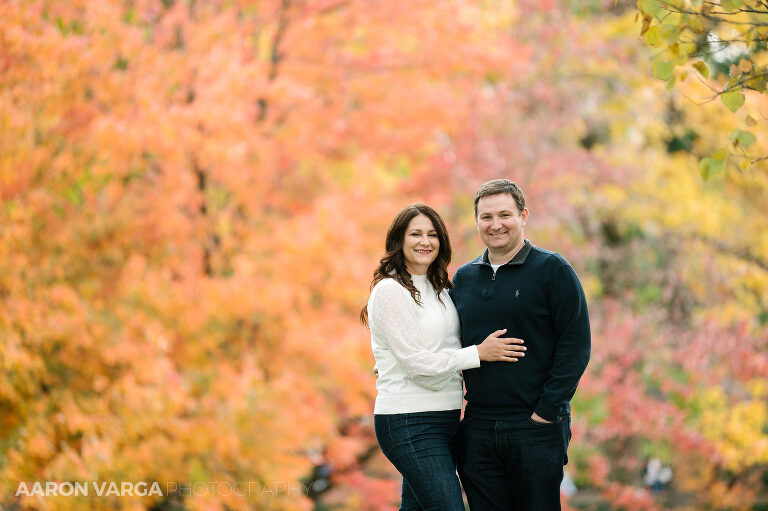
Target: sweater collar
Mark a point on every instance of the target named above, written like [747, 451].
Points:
[519, 258]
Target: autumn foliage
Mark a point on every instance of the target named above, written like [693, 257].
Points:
[195, 193]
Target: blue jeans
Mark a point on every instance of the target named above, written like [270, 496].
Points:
[421, 446]
[514, 465]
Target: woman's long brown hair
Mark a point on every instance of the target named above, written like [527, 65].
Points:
[392, 265]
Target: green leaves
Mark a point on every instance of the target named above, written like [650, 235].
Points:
[712, 165]
[650, 7]
[731, 5]
[676, 29]
[669, 33]
[733, 100]
[671, 82]
[663, 70]
[741, 138]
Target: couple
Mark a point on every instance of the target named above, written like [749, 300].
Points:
[521, 316]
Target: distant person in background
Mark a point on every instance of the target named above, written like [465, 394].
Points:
[656, 476]
[514, 437]
[415, 341]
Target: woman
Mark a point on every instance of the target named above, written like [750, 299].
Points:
[415, 339]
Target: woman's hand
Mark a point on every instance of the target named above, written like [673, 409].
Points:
[500, 349]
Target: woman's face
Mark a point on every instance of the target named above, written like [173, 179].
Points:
[420, 245]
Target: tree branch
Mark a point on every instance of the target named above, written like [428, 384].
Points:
[713, 16]
[275, 55]
[202, 186]
[725, 248]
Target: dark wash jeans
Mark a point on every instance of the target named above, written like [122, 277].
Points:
[514, 465]
[421, 446]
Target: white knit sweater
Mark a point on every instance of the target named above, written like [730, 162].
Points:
[417, 349]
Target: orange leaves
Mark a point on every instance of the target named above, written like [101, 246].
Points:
[195, 195]
[629, 498]
[199, 195]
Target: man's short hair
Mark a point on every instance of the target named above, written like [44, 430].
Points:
[497, 186]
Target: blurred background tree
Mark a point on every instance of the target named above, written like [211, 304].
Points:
[194, 196]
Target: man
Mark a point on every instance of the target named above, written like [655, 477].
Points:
[514, 437]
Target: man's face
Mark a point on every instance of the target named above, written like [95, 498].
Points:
[500, 223]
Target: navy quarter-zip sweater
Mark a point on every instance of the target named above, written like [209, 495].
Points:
[537, 297]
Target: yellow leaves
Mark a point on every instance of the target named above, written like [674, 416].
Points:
[758, 388]
[682, 50]
[253, 366]
[702, 68]
[730, 5]
[668, 196]
[737, 428]
[713, 398]
[653, 37]
[696, 23]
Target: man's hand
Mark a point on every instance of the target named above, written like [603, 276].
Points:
[537, 418]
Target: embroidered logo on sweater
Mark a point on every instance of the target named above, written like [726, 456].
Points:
[517, 293]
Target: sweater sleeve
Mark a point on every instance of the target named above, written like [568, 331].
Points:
[392, 316]
[571, 320]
